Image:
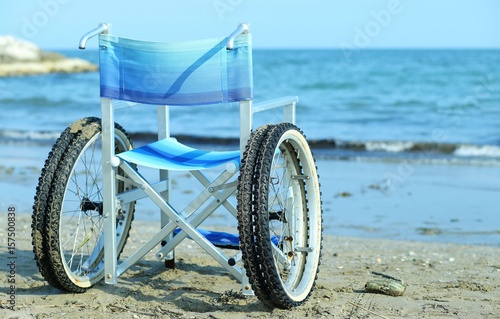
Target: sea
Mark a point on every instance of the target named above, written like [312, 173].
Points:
[425, 107]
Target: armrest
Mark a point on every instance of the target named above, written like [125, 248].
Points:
[288, 103]
[274, 103]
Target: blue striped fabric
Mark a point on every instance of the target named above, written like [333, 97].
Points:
[172, 155]
[176, 73]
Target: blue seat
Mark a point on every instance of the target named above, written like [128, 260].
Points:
[168, 154]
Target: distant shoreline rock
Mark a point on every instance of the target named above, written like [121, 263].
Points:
[21, 58]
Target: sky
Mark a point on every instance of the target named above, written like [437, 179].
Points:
[341, 24]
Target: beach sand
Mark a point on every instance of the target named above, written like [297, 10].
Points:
[443, 280]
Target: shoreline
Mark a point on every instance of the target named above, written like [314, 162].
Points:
[444, 280]
[330, 148]
[398, 200]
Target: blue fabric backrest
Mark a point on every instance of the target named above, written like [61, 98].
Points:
[176, 73]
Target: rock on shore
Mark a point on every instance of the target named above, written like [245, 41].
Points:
[18, 58]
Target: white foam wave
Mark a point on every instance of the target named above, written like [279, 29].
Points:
[28, 135]
[394, 147]
[478, 151]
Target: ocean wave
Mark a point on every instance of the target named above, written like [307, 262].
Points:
[406, 102]
[323, 85]
[415, 148]
[340, 148]
[389, 146]
[393, 147]
[35, 101]
[478, 151]
[27, 136]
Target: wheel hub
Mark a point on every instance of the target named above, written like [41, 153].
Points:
[88, 205]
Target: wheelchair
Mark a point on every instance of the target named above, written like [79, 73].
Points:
[86, 195]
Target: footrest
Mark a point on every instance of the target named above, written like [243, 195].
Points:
[218, 239]
[223, 239]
